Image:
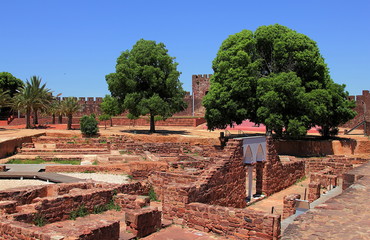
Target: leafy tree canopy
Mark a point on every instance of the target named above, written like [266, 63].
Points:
[110, 106]
[277, 77]
[146, 82]
[10, 83]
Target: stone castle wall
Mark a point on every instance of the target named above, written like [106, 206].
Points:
[362, 109]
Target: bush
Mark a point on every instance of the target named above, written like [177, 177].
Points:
[89, 125]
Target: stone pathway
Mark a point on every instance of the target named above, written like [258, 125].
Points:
[175, 232]
[346, 216]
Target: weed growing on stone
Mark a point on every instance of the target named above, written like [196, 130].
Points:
[95, 162]
[152, 195]
[39, 220]
[88, 171]
[300, 180]
[105, 207]
[125, 152]
[81, 211]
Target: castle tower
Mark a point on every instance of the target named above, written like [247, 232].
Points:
[200, 87]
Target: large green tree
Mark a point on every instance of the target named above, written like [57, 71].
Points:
[10, 83]
[110, 107]
[271, 76]
[146, 82]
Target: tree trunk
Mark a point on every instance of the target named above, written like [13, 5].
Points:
[60, 119]
[111, 122]
[28, 119]
[69, 124]
[152, 124]
[35, 118]
[53, 121]
[105, 124]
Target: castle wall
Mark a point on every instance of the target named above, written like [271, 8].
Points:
[362, 105]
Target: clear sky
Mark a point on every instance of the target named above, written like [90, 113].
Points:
[72, 45]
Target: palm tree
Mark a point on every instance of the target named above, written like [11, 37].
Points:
[70, 106]
[23, 101]
[42, 96]
[32, 97]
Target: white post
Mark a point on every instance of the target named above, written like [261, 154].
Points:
[250, 182]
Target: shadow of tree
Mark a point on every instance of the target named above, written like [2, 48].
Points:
[160, 132]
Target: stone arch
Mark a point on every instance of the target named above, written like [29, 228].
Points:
[260, 156]
[248, 155]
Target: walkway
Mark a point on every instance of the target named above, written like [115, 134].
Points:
[343, 217]
[46, 176]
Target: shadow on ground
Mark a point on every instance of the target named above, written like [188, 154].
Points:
[160, 132]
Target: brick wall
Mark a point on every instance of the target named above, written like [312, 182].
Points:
[313, 191]
[276, 175]
[289, 203]
[136, 169]
[235, 222]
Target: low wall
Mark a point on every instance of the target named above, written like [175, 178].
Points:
[8, 147]
[136, 169]
[236, 222]
[277, 175]
[308, 148]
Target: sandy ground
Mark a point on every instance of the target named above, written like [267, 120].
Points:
[8, 184]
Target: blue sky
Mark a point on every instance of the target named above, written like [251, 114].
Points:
[72, 45]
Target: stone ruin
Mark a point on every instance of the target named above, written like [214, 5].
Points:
[199, 186]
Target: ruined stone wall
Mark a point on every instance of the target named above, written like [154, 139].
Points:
[235, 222]
[135, 169]
[337, 166]
[277, 175]
[8, 147]
[362, 106]
[223, 183]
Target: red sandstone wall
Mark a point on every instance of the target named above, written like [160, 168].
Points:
[136, 169]
[306, 148]
[276, 175]
[10, 146]
[236, 222]
[223, 183]
[362, 104]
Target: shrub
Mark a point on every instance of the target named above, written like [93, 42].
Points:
[89, 125]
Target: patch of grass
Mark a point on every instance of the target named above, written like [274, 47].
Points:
[130, 177]
[81, 211]
[39, 220]
[125, 152]
[152, 195]
[95, 162]
[105, 207]
[40, 161]
[71, 142]
[301, 180]
[102, 141]
[89, 171]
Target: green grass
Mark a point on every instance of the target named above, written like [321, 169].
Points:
[152, 195]
[39, 220]
[125, 152]
[40, 161]
[81, 211]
